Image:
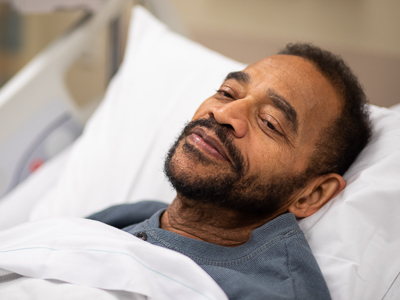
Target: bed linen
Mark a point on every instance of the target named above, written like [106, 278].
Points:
[16, 206]
[85, 258]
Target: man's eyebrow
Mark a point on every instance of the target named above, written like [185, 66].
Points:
[284, 106]
[239, 76]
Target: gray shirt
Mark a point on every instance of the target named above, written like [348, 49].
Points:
[275, 263]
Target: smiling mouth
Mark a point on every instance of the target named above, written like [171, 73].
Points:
[208, 144]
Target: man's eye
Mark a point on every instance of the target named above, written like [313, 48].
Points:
[269, 124]
[225, 94]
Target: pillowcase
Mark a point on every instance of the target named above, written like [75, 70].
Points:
[119, 157]
[162, 81]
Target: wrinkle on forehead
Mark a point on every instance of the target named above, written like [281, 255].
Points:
[300, 68]
[306, 70]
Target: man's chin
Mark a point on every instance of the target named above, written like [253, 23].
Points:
[194, 175]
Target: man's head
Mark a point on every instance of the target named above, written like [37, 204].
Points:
[275, 137]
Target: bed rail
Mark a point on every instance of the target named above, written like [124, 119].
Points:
[38, 116]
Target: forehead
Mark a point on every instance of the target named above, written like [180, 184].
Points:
[299, 82]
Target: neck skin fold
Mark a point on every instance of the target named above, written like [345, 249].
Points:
[210, 223]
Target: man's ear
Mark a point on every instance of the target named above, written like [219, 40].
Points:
[318, 192]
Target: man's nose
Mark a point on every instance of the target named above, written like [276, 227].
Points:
[236, 113]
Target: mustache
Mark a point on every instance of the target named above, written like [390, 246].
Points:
[222, 132]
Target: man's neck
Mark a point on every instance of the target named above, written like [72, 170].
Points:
[209, 223]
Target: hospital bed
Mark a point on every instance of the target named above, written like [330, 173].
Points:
[119, 158]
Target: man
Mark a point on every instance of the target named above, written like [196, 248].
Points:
[270, 146]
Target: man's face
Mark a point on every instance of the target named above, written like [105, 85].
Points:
[248, 147]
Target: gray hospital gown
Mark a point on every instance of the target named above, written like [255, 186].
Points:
[276, 262]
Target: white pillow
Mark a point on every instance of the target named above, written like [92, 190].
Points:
[162, 81]
[119, 158]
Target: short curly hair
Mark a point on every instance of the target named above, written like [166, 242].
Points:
[342, 141]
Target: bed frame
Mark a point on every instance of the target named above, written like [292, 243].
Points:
[38, 116]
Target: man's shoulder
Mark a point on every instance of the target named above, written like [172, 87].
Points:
[124, 215]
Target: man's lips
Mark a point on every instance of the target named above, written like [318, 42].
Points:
[207, 143]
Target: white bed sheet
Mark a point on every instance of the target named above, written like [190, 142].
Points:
[28, 288]
[93, 255]
[16, 206]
